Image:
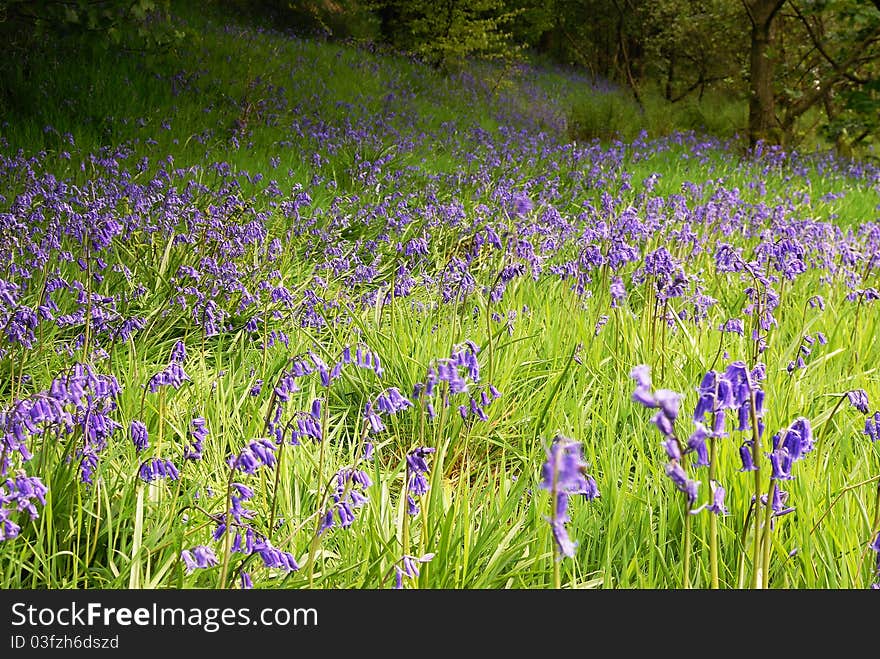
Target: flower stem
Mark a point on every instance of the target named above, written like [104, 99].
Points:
[757, 571]
[557, 576]
[713, 519]
[686, 549]
[767, 541]
[227, 536]
[316, 538]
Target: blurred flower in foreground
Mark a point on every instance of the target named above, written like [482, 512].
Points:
[565, 473]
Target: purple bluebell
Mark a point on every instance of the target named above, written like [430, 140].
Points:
[416, 472]
[245, 581]
[258, 453]
[408, 566]
[564, 473]
[275, 558]
[798, 439]
[642, 394]
[745, 454]
[157, 468]
[780, 464]
[18, 494]
[872, 426]
[717, 506]
[200, 556]
[349, 494]
[697, 444]
[618, 291]
[733, 325]
[858, 398]
[679, 478]
[139, 435]
[199, 432]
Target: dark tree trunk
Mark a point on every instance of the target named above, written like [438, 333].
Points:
[763, 124]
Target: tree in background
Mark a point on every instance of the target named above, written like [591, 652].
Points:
[814, 63]
[445, 33]
[22, 22]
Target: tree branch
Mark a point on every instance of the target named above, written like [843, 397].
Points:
[821, 48]
[792, 112]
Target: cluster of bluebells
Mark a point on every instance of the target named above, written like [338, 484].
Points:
[199, 557]
[306, 424]
[348, 494]
[390, 401]
[245, 539]
[225, 233]
[302, 366]
[19, 493]
[80, 400]
[256, 454]
[158, 468]
[720, 395]
[199, 433]
[461, 373]
[735, 392]
[789, 447]
[238, 517]
[172, 375]
[667, 403]
[746, 393]
[805, 350]
[564, 474]
[416, 476]
[140, 436]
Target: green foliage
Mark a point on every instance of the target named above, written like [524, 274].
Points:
[114, 22]
[445, 34]
[616, 115]
[338, 19]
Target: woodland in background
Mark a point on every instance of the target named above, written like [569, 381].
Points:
[807, 69]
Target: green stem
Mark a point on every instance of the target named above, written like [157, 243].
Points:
[227, 535]
[554, 493]
[757, 570]
[316, 537]
[489, 337]
[767, 541]
[820, 440]
[713, 518]
[686, 548]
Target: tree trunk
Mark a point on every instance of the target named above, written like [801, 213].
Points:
[763, 124]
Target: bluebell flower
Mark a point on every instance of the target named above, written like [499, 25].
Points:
[416, 480]
[275, 558]
[408, 566]
[697, 444]
[564, 473]
[200, 556]
[858, 398]
[872, 426]
[745, 454]
[734, 326]
[245, 582]
[198, 432]
[157, 468]
[678, 476]
[139, 435]
[717, 506]
[349, 494]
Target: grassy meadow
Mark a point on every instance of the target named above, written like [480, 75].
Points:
[281, 312]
